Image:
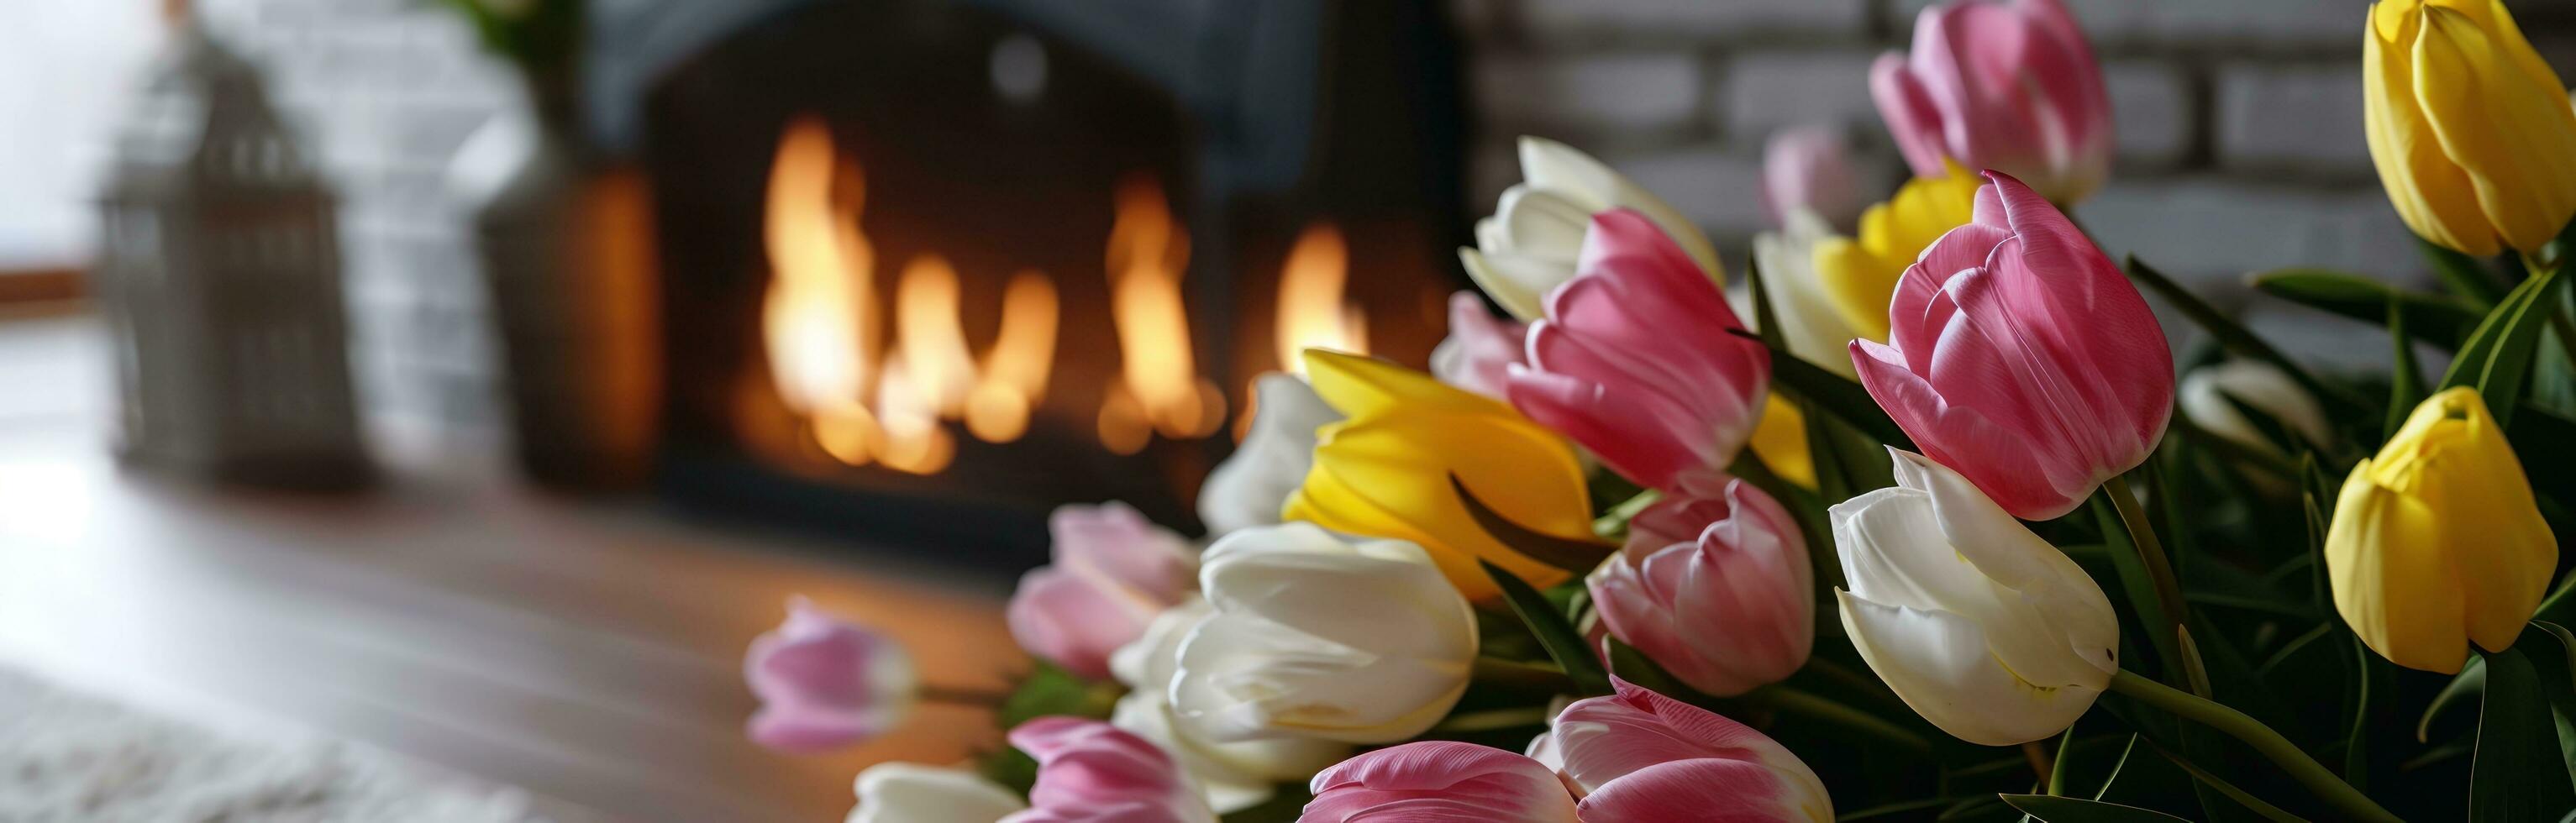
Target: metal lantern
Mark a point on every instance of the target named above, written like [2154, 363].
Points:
[219, 276]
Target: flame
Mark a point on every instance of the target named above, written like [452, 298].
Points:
[928, 334]
[1147, 253]
[910, 437]
[1312, 313]
[817, 318]
[1015, 369]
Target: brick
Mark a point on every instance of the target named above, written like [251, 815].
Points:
[2291, 116]
[1591, 93]
[2151, 113]
[2334, 24]
[2211, 231]
[1766, 91]
[1718, 188]
[1692, 20]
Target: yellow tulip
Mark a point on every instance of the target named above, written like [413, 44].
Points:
[2470, 130]
[1859, 273]
[1385, 471]
[1781, 442]
[2436, 541]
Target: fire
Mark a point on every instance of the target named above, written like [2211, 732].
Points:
[1147, 253]
[1015, 370]
[817, 318]
[1312, 311]
[927, 331]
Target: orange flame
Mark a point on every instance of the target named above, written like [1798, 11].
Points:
[817, 318]
[1015, 369]
[1312, 312]
[1147, 253]
[927, 332]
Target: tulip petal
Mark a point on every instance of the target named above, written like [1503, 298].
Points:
[1552, 165]
[1939, 664]
[2510, 132]
[912, 793]
[2434, 197]
[1058, 615]
[1439, 782]
[1696, 791]
[1911, 117]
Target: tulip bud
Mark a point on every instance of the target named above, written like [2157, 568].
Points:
[1809, 169]
[1315, 636]
[825, 682]
[2009, 85]
[1715, 589]
[1858, 274]
[1232, 776]
[2205, 392]
[1114, 570]
[1479, 348]
[911, 792]
[1388, 472]
[2469, 128]
[1091, 771]
[1634, 360]
[1252, 484]
[1985, 629]
[2022, 358]
[1533, 241]
[1638, 755]
[2436, 542]
[1439, 780]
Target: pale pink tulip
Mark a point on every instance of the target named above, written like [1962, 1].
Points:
[824, 682]
[1439, 781]
[1092, 772]
[1640, 756]
[1114, 570]
[2002, 84]
[1479, 349]
[2021, 358]
[1809, 167]
[1634, 362]
[1715, 588]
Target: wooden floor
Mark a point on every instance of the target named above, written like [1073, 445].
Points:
[589, 653]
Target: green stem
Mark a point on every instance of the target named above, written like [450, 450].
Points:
[1514, 672]
[2057, 770]
[1492, 720]
[2349, 801]
[2151, 553]
[1818, 708]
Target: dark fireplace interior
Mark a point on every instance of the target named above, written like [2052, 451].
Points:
[933, 268]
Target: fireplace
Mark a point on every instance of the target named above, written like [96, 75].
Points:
[933, 268]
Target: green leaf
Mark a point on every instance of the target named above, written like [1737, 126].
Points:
[2553, 655]
[1837, 396]
[2239, 340]
[2463, 274]
[2540, 439]
[2117, 766]
[1047, 691]
[1555, 633]
[2406, 380]
[2206, 779]
[1577, 556]
[2053, 809]
[2439, 320]
[2470, 682]
[1635, 667]
[2517, 774]
[2497, 358]
[2137, 585]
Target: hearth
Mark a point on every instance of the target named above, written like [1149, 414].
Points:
[933, 268]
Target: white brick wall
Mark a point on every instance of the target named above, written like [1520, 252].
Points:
[1691, 20]
[1765, 91]
[2152, 116]
[2291, 116]
[1594, 94]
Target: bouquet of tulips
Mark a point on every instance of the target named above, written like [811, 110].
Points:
[1573, 571]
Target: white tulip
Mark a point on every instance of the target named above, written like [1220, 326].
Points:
[2263, 386]
[1315, 635]
[1985, 629]
[1535, 236]
[1814, 330]
[1231, 776]
[912, 792]
[1253, 484]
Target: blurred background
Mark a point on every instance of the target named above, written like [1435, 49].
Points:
[471, 380]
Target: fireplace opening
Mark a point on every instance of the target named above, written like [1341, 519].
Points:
[933, 268]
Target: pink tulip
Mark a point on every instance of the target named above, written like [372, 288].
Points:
[824, 682]
[1479, 349]
[2021, 358]
[1092, 772]
[1809, 167]
[1716, 589]
[1439, 781]
[1633, 359]
[1634, 757]
[1640, 756]
[1114, 570]
[2001, 84]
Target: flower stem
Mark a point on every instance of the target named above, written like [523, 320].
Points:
[2346, 799]
[1493, 719]
[2151, 553]
[2057, 770]
[1533, 675]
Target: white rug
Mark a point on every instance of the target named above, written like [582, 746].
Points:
[67, 757]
